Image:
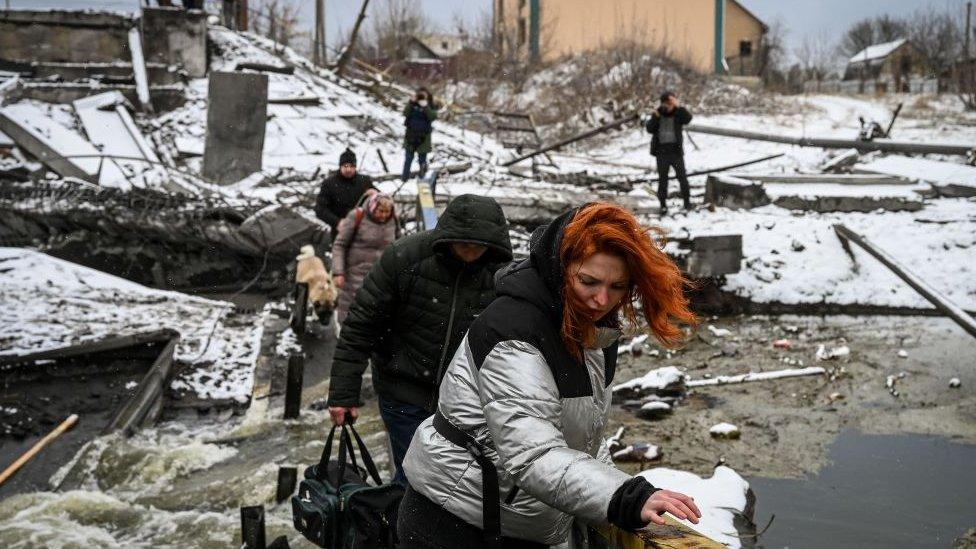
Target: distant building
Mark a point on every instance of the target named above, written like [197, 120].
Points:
[431, 56]
[709, 35]
[894, 66]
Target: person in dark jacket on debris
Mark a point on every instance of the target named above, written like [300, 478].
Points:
[531, 382]
[418, 119]
[341, 191]
[666, 126]
[411, 312]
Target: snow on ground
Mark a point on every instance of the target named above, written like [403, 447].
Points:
[937, 244]
[49, 303]
[720, 498]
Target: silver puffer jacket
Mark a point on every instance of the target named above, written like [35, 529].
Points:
[540, 412]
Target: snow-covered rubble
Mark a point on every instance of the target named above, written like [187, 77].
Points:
[50, 303]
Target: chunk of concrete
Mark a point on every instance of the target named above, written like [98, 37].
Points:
[714, 255]
[734, 192]
[237, 107]
[110, 127]
[283, 229]
[59, 148]
[176, 36]
[64, 35]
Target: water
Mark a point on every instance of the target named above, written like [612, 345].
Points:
[879, 491]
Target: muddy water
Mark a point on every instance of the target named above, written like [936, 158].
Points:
[180, 484]
[878, 491]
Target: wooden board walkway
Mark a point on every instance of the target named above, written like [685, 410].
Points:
[672, 535]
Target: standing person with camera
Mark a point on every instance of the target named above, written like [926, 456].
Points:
[419, 116]
[666, 127]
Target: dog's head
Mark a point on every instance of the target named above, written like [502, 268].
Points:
[322, 295]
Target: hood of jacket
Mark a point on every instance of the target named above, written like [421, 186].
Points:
[477, 219]
[539, 279]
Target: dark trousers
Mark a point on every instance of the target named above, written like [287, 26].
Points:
[422, 524]
[408, 162]
[665, 161]
[401, 422]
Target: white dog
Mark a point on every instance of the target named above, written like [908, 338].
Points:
[322, 293]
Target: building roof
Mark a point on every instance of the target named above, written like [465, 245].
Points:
[765, 27]
[877, 51]
[442, 45]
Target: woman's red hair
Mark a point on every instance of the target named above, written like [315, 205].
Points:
[654, 279]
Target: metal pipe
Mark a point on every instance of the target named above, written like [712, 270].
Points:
[940, 301]
[884, 145]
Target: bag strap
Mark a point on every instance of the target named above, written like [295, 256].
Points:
[490, 503]
[345, 445]
[327, 452]
[367, 459]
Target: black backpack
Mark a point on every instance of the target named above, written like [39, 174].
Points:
[337, 509]
[418, 126]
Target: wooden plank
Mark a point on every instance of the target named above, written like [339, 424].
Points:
[672, 535]
[58, 431]
[425, 203]
[842, 179]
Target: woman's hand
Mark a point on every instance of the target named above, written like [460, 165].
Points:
[338, 414]
[677, 504]
[339, 281]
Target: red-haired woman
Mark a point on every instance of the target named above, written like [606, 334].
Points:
[516, 448]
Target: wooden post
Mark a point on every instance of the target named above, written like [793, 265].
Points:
[252, 527]
[935, 297]
[299, 311]
[293, 386]
[58, 431]
[287, 478]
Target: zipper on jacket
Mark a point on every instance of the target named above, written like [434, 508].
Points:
[447, 338]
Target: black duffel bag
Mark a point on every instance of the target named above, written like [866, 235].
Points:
[337, 508]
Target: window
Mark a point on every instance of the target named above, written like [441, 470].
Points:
[745, 48]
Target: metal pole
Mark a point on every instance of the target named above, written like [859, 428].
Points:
[719, 36]
[940, 301]
[575, 138]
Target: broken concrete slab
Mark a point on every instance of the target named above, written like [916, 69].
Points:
[840, 179]
[164, 98]
[947, 178]
[236, 119]
[842, 161]
[175, 36]
[833, 197]
[63, 150]
[283, 229]
[110, 127]
[734, 192]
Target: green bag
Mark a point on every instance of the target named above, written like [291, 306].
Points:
[337, 508]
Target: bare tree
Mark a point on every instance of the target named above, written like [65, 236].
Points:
[816, 57]
[391, 25]
[937, 37]
[873, 30]
[771, 51]
[279, 21]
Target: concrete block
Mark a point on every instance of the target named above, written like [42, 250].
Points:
[713, 255]
[237, 108]
[175, 36]
[64, 36]
[734, 192]
[61, 149]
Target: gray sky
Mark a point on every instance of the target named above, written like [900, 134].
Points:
[800, 17]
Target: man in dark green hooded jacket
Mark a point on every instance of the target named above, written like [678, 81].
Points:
[412, 312]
